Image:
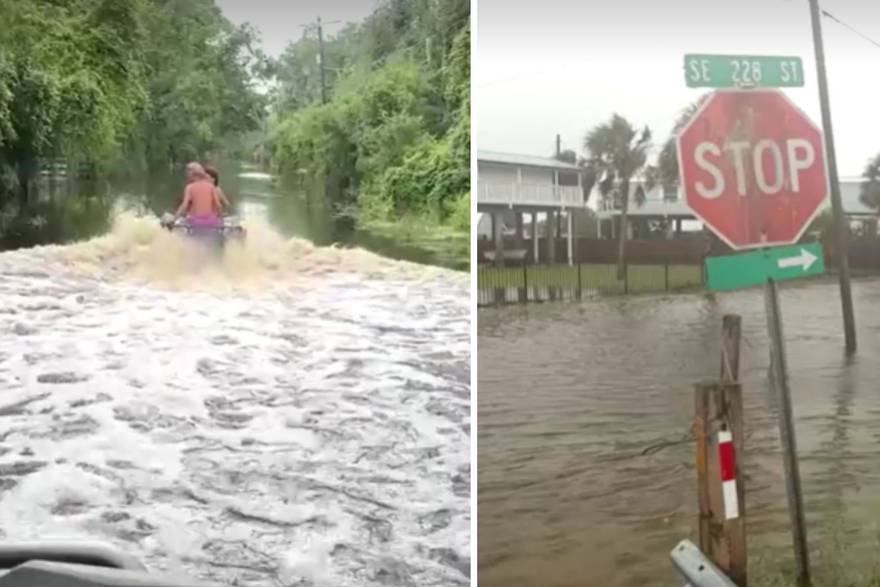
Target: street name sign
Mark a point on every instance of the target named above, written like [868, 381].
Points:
[756, 267]
[743, 71]
[752, 168]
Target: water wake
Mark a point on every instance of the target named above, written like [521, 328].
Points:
[291, 414]
[137, 247]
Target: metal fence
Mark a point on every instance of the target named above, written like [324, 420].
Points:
[529, 283]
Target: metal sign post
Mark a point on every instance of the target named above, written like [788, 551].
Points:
[779, 380]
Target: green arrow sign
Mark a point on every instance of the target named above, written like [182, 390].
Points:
[755, 267]
[751, 71]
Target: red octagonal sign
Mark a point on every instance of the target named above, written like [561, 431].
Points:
[752, 167]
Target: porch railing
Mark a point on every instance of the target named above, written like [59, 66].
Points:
[529, 194]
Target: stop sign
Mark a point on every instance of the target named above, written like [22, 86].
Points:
[752, 167]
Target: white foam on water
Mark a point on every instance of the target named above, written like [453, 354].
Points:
[255, 175]
[290, 413]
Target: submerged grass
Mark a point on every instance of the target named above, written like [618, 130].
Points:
[425, 232]
[602, 277]
[835, 558]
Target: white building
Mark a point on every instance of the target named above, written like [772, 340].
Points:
[510, 185]
[527, 180]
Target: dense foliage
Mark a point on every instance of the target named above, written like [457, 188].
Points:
[870, 188]
[393, 137]
[121, 84]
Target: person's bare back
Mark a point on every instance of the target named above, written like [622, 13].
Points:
[201, 203]
[202, 197]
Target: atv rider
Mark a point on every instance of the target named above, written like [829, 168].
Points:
[201, 202]
[215, 176]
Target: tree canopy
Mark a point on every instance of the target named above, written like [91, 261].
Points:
[111, 82]
[394, 135]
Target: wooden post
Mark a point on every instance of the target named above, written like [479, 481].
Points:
[718, 407]
[559, 223]
[497, 234]
[841, 225]
[735, 530]
[524, 292]
[701, 430]
[570, 229]
[535, 259]
[731, 333]
[518, 217]
[550, 226]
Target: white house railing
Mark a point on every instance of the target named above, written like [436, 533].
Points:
[529, 194]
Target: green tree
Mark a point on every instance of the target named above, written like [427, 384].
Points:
[394, 137]
[667, 161]
[209, 94]
[869, 192]
[568, 155]
[105, 82]
[616, 154]
[73, 79]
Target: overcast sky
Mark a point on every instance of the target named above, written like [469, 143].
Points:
[279, 20]
[564, 66]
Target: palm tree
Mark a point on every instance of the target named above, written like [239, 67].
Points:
[870, 189]
[616, 153]
[567, 155]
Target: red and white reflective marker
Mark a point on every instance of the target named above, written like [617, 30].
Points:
[727, 464]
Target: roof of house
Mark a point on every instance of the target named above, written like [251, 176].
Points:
[525, 160]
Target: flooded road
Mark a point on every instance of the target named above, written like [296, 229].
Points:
[295, 415]
[67, 211]
[583, 475]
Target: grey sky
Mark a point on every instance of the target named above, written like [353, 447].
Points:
[564, 66]
[279, 20]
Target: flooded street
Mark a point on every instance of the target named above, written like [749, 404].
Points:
[585, 473]
[69, 211]
[296, 415]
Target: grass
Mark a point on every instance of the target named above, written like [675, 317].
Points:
[447, 244]
[843, 548]
[593, 277]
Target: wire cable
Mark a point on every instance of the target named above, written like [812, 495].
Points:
[840, 22]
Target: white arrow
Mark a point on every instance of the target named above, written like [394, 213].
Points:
[805, 260]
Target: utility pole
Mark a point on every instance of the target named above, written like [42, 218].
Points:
[321, 62]
[840, 222]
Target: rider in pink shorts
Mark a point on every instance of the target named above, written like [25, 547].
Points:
[201, 202]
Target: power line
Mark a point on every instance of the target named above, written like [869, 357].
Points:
[840, 22]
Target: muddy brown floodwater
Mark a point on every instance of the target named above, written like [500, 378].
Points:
[577, 485]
